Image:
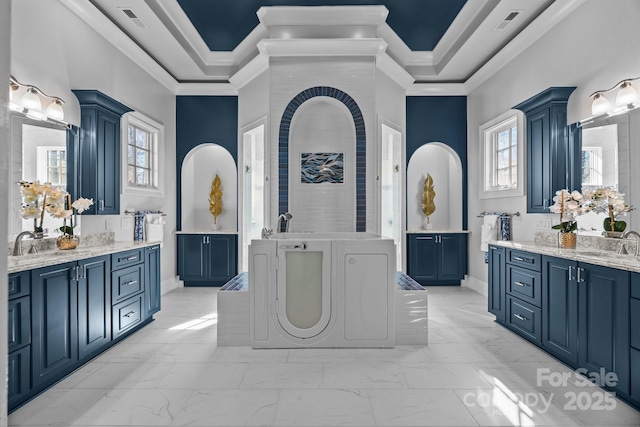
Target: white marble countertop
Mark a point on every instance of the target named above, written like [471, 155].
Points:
[207, 232]
[590, 255]
[45, 259]
[438, 231]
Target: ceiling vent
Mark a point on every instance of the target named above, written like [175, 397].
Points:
[134, 18]
[508, 19]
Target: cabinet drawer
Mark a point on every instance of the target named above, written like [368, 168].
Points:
[635, 323]
[524, 318]
[635, 375]
[127, 315]
[19, 284]
[525, 284]
[635, 285]
[126, 282]
[18, 376]
[123, 259]
[19, 322]
[525, 259]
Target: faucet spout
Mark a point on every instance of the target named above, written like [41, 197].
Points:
[636, 235]
[286, 217]
[17, 246]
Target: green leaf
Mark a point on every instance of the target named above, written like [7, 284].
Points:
[66, 229]
[558, 227]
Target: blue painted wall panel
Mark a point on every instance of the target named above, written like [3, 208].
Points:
[204, 119]
[439, 119]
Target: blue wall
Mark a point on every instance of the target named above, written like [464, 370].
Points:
[439, 119]
[204, 119]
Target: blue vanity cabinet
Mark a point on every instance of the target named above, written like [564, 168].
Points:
[54, 322]
[437, 259]
[560, 309]
[19, 322]
[523, 294]
[550, 159]
[603, 319]
[634, 325]
[152, 280]
[497, 283]
[207, 259]
[94, 306]
[96, 152]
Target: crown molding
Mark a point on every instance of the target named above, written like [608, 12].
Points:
[437, 89]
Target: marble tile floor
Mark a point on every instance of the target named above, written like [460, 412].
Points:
[473, 372]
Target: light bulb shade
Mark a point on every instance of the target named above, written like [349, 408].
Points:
[626, 95]
[31, 100]
[600, 104]
[55, 111]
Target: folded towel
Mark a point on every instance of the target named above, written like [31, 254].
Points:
[489, 231]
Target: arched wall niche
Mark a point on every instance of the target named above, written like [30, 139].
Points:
[199, 168]
[284, 161]
[445, 167]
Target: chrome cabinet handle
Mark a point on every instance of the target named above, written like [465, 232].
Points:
[580, 271]
[517, 258]
[133, 282]
[517, 316]
[571, 267]
[101, 205]
[129, 314]
[131, 258]
[520, 284]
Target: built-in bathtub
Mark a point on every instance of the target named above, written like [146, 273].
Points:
[361, 301]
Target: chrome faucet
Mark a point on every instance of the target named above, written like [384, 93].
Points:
[636, 235]
[286, 217]
[17, 246]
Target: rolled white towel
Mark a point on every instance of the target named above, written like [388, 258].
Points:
[489, 231]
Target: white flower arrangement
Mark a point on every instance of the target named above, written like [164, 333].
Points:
[40, 198]
[611, 202]
[569, 204]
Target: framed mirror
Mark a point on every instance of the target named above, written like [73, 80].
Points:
[38, 152]
[605, 163]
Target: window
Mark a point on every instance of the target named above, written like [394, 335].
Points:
[139, 157]
[142, 155]
[52, 165]
[592, 166]
[502, 158]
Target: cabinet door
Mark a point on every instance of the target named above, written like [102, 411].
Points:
[19, 322]
[538, 162]
[635, 376]
[152, 280]
[94, 306]
[497, 282]
[192, 257]
[560, 309]
[86, 153]
[108, 163]
[54, 322]
[18, 376]
[423, 257]
[222, 258]
[452, 256]
[604, 322]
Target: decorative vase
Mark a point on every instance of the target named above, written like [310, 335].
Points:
[568, 240]
[66, 241]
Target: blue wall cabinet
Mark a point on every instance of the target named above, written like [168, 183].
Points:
[207, 259]
[560, 309]
[96, 152]
[54, 322]
[603, 334]
[550, 159]
[94, 306]
[152, 279]
[497, 282]
[437, 259]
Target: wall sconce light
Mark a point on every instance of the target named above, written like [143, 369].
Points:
[626, 99]
[27, 99]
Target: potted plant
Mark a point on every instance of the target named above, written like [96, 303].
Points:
[68, 240]
[569, 204]
[610, 202]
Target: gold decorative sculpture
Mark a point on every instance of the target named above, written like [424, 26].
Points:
[428, 196]
[215, 200]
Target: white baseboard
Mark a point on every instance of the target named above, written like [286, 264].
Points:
[477, 285]
[168, 285]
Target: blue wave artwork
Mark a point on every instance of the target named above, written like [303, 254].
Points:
[317, 168]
